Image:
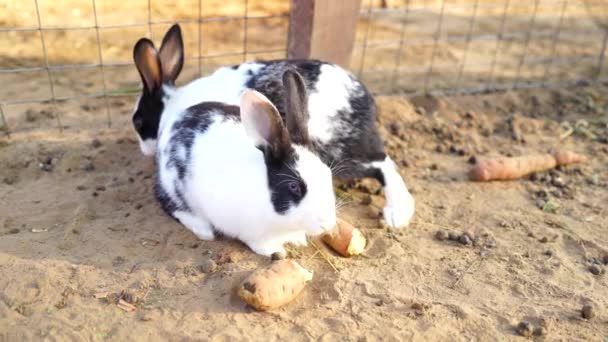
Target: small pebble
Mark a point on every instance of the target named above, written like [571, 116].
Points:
[138, 206]
[14, 231]
[100, 188]
[465, 240]
[524, 328]
[558, 182]
[207, 266]
[9, 180]
[395, 128]
[533, 177]
[587, 311]
[45, 167]
[277, 256]
[549, 252]
[542, 193]
[418, 307]
[89, 166]
[595, 269]
[540, 331]
[95, 194]
[81, 187]
[442, 235]
[472, 160]
[453, 236]
[434, 166]
[96, 143]
[366, 200]
[469, 233]
[605, 259]
[544, 239]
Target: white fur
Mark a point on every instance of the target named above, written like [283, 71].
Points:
[225, 85]
[226, 187]
[399, 207]
[147, 147]
[330, 96]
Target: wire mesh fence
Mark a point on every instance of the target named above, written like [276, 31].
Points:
[452, 47]
[67, 63]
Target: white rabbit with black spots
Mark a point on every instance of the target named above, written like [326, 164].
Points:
[244, 172]
[342, 113]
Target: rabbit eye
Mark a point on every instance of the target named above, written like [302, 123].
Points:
[138, 122]
[295, 189]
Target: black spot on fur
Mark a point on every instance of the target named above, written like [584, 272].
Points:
[194, 121]
[281, 173]
[147, 115]
[166, 203]
[355, 143]
[269, 79]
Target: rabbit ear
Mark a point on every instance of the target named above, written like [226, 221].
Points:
[296, 107]
[264, 126]
[148, 64]
[172, 54]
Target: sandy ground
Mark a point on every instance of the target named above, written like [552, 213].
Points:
[80, 228]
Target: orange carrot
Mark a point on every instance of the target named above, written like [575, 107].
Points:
[567, 157]
[517, 167]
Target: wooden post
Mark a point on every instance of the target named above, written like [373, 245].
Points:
[323, 29]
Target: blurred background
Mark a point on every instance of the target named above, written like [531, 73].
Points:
[68, 64]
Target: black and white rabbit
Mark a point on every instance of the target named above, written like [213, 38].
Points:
[342, 112]
[245, 174]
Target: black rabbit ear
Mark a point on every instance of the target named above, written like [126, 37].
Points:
[172, 54]
[147, 62]
[296, 107]
[264, 125]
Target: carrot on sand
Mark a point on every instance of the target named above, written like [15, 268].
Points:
[517, 167]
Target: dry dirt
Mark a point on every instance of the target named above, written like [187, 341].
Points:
[80, 229]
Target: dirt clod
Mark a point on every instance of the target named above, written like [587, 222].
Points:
[588, 311]
[525, 329]
[453, 236]
[277, 256]
[472, 160]
[596, 269]
[540, 331]
[465, 240]
[207, 266]
[442, 235]
[88, 166]
[395, 128]
[366, 200]
[605, 259]
[96, 143]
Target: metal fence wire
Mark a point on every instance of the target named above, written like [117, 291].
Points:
[67, 63]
